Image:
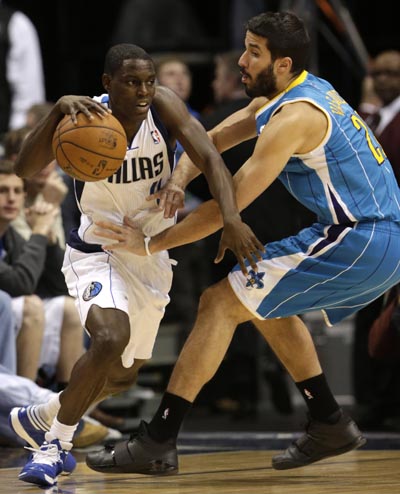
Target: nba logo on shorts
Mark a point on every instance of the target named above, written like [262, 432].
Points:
[92, 290]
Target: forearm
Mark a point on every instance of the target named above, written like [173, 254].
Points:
[36, 152]
[203, 221]
[185, 171]
[220, 183]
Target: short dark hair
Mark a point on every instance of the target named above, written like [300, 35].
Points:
[286, 36]
[6, 167]
[116, 55]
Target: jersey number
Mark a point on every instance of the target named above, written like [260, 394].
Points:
[376, 150]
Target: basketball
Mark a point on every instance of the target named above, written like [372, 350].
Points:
[91, 150]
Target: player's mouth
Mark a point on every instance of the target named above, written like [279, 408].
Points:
[143, 105]
[245, 77]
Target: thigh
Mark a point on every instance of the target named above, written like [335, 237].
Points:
[92, 280]
[335, 269]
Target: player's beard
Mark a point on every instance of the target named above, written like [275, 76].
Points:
[264, 84]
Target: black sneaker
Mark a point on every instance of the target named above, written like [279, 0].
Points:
[139, 454]
[320, 441]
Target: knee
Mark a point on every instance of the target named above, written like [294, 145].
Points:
[109, 338]
[212, 299]
[33, 310]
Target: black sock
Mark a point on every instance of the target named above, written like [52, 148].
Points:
[319, 399]
[169, 417]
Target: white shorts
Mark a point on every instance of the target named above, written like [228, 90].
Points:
[134, 284]
[54, 315]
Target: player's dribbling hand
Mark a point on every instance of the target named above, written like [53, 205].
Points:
[171, 198]
[71, 105]
[240, 239]
[124, 237]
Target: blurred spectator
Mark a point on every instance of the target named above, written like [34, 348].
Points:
[47, 185]
[174, 73]
[8, 351]
[377, 383]
[30, 273]
[17, 391]
[21, 70]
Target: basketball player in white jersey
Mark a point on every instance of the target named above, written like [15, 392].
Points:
[121, 297]
[329, 159]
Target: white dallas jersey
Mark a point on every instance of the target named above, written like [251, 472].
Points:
[148, 164]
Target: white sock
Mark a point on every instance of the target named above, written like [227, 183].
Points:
[48, 411]
[61, 432]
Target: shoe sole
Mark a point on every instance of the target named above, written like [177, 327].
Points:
[287, 465]
[19, 429]
[33, 479]
[155, 470]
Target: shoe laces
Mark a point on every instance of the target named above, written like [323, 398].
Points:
[48, 454]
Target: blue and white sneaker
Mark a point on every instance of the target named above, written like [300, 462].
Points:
[29, 426]
[46, 463]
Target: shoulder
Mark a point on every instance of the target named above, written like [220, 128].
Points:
[169, 106]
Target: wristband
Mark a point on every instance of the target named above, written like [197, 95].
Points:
[146, 245]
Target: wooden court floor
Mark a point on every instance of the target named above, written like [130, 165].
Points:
[247, 472]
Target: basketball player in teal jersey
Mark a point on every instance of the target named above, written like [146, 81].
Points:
[121, 297]
[328, 158]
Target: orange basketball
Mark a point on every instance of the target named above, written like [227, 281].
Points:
[91, 150]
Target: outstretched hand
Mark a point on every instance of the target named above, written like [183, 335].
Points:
[125, 237]
[171, 197]
[240, 239]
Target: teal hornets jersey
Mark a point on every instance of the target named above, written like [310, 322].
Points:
[347, 178]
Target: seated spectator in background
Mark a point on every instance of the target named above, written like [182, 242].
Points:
[30, 273]
[8, 351]
[17, 391]
[376, 383]
[49, 186]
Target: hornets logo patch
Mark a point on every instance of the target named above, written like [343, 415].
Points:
[92, 290]
[254, 280]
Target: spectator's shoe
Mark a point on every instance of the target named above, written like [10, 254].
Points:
[46, 463]
[30, 427]
[139, 454]
[320, 441]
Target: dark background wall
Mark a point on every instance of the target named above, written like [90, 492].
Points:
[74, 36]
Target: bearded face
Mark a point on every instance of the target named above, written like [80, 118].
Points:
[263, 85]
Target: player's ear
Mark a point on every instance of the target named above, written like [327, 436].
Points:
[284, 64]
[105, 79]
